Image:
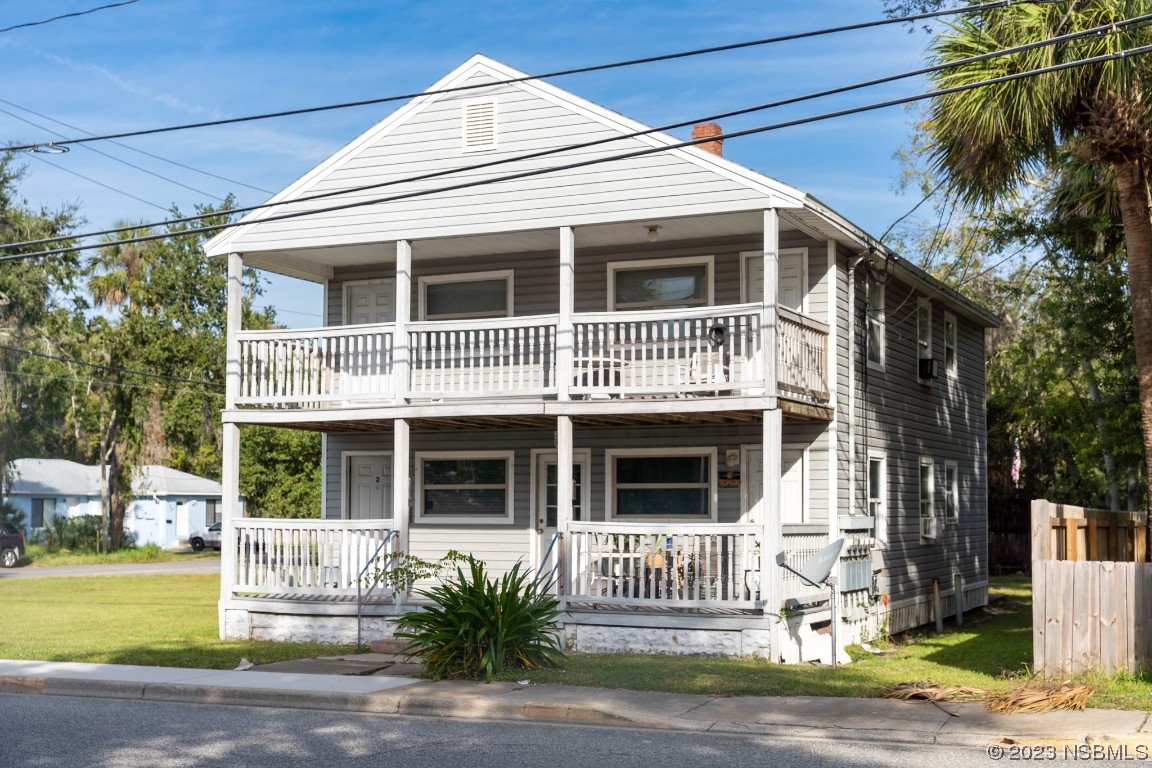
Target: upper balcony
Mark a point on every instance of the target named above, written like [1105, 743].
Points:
[711, 352]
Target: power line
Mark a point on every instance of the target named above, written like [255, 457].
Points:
[67, 16]
[98, 183]
[526, 78]
[1138, 51]
[110, 382]
[130, 148]
[111, 368]
[598, 142]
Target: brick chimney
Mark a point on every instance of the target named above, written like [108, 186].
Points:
[707, 130]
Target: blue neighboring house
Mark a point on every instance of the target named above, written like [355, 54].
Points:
[166, 506]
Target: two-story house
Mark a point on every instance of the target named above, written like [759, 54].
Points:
[553, 336]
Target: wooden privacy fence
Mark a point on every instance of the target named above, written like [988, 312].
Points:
[1091, 590]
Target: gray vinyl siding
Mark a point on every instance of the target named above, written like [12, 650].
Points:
[429, 140]
[906, 420]
[598, 441]
[536, 275]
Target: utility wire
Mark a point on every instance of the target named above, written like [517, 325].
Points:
[77, 174]
[598, 142]
[111, 368]
[67, 16]
[130, 148]
[526, 78]
[108, 382]
[1138, 51]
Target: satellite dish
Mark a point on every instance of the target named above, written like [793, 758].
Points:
[815, 572]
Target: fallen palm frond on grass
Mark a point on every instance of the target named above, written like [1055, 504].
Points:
[928, 690]
[1034, 697]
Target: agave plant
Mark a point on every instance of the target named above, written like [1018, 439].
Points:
[478, 626]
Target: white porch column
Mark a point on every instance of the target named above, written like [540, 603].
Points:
[565, 337]
[401, 360]
[830, 367]
[564, 493]
[230, 502]
[401, 471]
[768, 304]
[234, 306]
[772, 536]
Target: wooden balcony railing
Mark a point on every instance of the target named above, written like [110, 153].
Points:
[666, 353]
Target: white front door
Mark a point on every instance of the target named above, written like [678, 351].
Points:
[791, 279]
[368, 498]
[370, 301]
[793, 486]
[547, 492]
[753, 485]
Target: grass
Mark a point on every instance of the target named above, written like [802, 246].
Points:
[991, 652]
[37, 556]
[167, 621]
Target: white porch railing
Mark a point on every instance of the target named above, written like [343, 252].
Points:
[483, 358]
[343, 363]
[684, 565]
[803, 353]
[678, 351]
[799, 547]
[304, 557]
[665, 353]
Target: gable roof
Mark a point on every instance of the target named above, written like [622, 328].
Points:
[60, 477]
[424, 136]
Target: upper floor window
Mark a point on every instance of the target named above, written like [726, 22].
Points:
[875, 320]
[924, 340]
[950, 343]
[660, 283]
[466, 296]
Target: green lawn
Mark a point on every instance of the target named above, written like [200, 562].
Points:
[37, 556]
[172, 621]
[168, 621]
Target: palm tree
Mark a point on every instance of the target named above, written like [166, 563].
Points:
[989, 141]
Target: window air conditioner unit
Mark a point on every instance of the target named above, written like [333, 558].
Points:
[929, 528]
[929, 369]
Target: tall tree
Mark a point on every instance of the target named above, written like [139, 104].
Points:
[991, 141]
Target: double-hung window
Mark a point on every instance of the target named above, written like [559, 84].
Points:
[924, 340]
[877, 492]
[927, 488]
[875, 320]
[951, 492]
[950, 344]
[662, 484]
[473, 487]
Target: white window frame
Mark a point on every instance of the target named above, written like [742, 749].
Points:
[745, 281]
[468, 277]
[349, 284]
[924, 344]
[951, 347]
[708, 262]
[345, 470]
[509, 487]
[464, 108]
[951, 492]
[927, 505]
[580, 456]
[612, 454]
[879, 319]
[878, 505]
[211, 518]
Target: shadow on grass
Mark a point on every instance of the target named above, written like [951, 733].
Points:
[222, 654]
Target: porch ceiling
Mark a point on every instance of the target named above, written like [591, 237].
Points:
[319, 264]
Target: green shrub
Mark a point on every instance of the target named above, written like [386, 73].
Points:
[478, 626]
[77, 534]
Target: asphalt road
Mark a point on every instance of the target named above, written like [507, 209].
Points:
[204, 565]
[63, 732]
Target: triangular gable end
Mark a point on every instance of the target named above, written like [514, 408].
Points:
[423, 136]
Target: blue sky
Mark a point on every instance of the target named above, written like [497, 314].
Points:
[167, 62]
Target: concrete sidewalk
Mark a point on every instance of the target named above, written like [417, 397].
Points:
[380, 683]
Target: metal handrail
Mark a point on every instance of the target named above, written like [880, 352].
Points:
[548, 554]
[360, 598]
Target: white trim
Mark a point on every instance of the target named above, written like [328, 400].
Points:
[805, 491]
[465, 106]
[881, 321]
[345, 468]
[467, 277]
[926, 462]
[348, 284]
[610, 456]
[463, 455]
[923, 345]
[707, 261]
[747, 256]
[581, 456]
[745, 472]
[952, 490]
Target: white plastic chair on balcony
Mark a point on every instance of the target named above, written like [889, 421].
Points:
[708, 367]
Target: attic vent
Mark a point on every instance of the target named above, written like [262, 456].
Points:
[479, 125]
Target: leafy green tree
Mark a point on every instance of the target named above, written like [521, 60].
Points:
[280, 472]
[992, 141]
